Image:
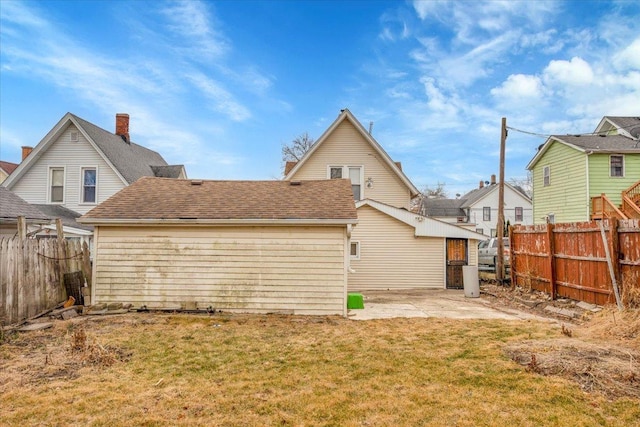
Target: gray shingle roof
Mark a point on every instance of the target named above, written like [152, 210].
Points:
[131, 160]
[604, 144]
[67, 216]
[630, 124]
[183, 199]
[443, 207]
[171, 171]
[12, 206]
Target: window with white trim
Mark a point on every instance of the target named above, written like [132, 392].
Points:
[486, 213]
[480, 230]
[89, 181]
[354, 173]
[546, 176]
[354, 251]
[616, 165]
[519, 213]
[56, 185]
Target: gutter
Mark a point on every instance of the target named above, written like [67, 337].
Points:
[229, 222]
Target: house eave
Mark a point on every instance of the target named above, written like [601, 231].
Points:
[229, 222]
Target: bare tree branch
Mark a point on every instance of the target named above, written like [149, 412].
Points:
[294, 151]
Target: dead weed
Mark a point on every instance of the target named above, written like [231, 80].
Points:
[611, 370]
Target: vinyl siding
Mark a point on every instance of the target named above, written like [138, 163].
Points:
[512, 199]
[246, 269]
[566, 197]
[391, 257]
[600, 181]
[73, 156]
[346, 147]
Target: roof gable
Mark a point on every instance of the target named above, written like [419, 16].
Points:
[129, 161]
[163, 199]
[8, 167]
[346, 115]
[627, 126]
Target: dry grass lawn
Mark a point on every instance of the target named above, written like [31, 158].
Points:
[153, 369]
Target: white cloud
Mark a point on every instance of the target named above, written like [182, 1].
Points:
[629, 57]
[571, 73]
[222, 100]
[519, 86]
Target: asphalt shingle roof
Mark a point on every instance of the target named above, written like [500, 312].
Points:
[67, 216]
[610, 143]
[443, 207]
[171, 171]
[8, 167]
[130, 159]
[630, 124]
[163, 198]
[12, 206]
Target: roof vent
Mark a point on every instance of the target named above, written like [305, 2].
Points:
[196, 182]
[295, 183]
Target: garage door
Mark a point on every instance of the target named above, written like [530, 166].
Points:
[246, 269]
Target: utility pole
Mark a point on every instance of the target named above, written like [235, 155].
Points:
[500, 225]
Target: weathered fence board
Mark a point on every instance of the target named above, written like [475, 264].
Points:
[31, 274]
[570, 260]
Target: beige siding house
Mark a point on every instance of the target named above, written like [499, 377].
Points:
[245, 246]
[391, 248]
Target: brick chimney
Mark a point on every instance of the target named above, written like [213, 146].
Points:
[122, 126]
[493, 179]
[481, 185]
[26, 151]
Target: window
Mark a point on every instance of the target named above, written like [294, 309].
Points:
[56, 179]
[493, 232]
[519, 214]
[74, 136]
[354, 173]
[481, 231]
[616, 165]
[355, 250]
[486, 213]
[89, 176]
[546, 176]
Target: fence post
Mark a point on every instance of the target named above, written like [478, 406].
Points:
[614, 248]
[552, 264]
[512, 257]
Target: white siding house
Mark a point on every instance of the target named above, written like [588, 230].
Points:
[245, 246]
[78, 165]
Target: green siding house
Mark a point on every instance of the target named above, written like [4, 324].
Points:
[568, 170]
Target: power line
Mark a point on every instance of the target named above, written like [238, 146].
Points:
[546, 135]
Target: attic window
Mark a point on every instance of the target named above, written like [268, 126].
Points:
[74, 136]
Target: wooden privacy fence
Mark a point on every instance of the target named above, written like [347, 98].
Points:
[581, 261]
[32, 274]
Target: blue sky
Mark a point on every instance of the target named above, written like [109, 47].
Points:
[220, 86]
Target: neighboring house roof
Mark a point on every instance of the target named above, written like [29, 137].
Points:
[171, 171]
[12, 206]
[424, 226]
[129, 160]
[616, 144]
[67, 216]
[628, 126]
[202, 201]
[346, 115]
[443, 207]
[455, 207]
[8, 167]
[288, 166]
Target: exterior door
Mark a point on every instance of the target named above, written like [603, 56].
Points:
[456, 258]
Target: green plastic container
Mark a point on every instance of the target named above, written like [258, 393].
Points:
[355, 301]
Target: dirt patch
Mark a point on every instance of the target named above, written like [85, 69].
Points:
[609, 369]
[600, 349]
